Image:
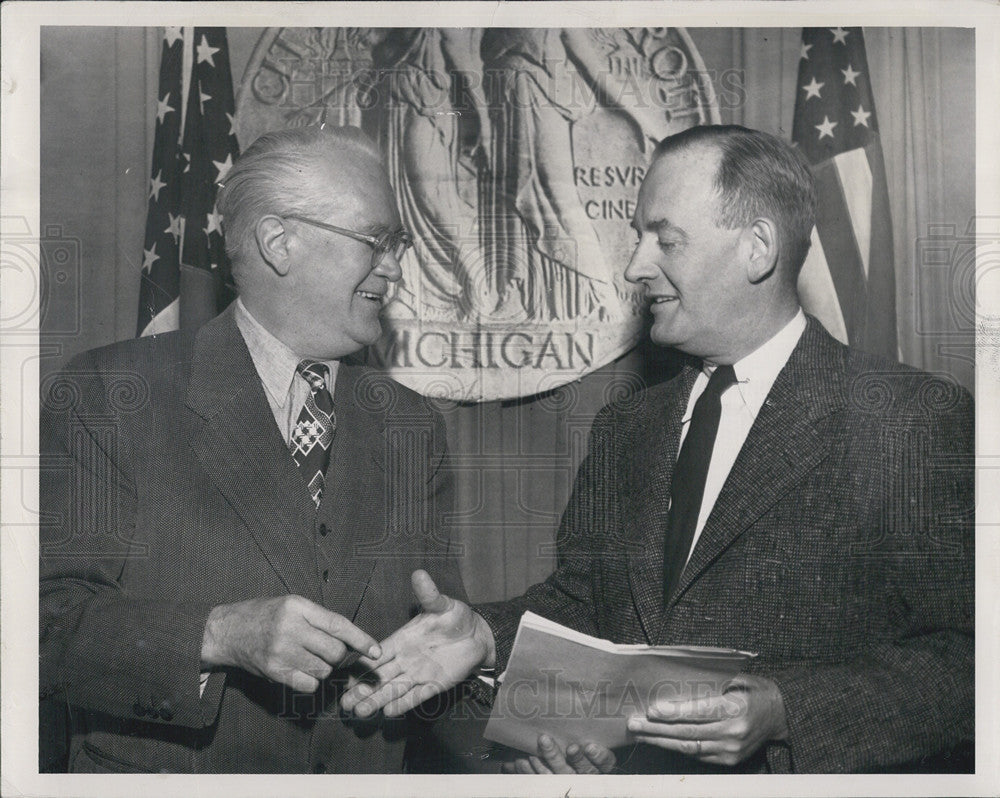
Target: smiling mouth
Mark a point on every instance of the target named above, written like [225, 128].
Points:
[659, 300]
[371, 296]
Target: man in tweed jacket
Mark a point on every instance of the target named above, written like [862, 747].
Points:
[836, 529]
[199, 607]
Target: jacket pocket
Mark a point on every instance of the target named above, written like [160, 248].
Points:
[90, 759]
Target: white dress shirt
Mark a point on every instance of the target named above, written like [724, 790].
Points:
[276, 365]
[755, 374]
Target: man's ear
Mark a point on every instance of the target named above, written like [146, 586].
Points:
[763, 240]
[272, 243]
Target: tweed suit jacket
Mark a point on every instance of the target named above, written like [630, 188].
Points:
[167, 490]
[840, 549]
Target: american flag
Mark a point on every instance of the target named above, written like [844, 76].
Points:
[848, 280]
[185, 272]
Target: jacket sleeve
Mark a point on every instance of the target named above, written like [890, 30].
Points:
[104, 649]
[912, 695]
[567, 596]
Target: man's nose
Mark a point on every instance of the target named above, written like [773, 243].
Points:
[640, 266]
[389, 267]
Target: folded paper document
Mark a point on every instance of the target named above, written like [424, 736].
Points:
[578, 688]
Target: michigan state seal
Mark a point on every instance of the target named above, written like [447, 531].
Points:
[516, 155]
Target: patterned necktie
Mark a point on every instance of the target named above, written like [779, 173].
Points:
[313, 433]
[688, 485]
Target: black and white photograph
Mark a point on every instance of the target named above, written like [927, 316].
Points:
[508, 398]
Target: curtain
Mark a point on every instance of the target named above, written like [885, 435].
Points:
[924, 83]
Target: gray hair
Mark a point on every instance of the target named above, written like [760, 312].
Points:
[759, 175]
[276, 174]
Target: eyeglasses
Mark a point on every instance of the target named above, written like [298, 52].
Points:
[396, 242]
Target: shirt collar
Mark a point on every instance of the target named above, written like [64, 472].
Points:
[274, 361]
[756, 372]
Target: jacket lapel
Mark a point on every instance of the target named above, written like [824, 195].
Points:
[782, 447]
[239, 446]
[647, 496]
[354, 479]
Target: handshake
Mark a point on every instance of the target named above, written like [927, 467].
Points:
[296, 642]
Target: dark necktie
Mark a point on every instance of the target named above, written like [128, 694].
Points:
[688, 485]
[313, 433]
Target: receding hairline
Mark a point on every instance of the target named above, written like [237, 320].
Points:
[347, 154]
[692, 149]
[685, 150]
[319, 145]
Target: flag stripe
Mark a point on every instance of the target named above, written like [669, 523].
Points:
[167, 319]
[837, 236]
[187, 70]
[881, 333]
[818, 293]
[856, 181]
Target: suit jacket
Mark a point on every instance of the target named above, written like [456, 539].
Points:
[167, 490]
[840, 549]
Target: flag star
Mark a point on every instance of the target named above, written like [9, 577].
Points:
[861, 116]
[826, 127]
[232, 122]
[176, 227]
[804, 52]
[155, 184]
[213, 265]
[203, 98]
[187, 161]
[172, 35]
[839, 36]
[223, 167]
[205, 52]
[163, 107]
[850, 75]
[149, 257]
[214, 222]
[812, 90]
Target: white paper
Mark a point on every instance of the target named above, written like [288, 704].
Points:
[578, 688]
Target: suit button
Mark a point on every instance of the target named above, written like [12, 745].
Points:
[326, 576]
[319, 767]
[166, 714]
[323, 530]
[138, 709]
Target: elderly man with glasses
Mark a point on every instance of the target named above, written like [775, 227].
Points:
[230, 513]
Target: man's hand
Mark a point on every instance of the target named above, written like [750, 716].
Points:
[436, 650]
[724, 729]
[287, 639]
[588, 758]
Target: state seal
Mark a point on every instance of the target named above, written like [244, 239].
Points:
[516, 155]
